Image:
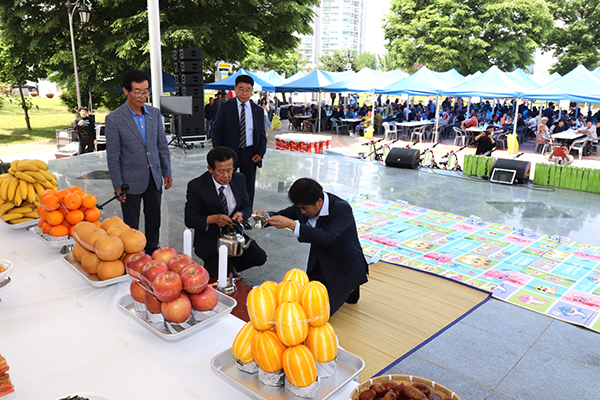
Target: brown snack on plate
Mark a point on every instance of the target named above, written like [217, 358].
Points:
[434, 396]
[398, 390]
[390, 395]
[389, 385]
[368, 394]
[379, 389]
[412, 393]
[423, 388]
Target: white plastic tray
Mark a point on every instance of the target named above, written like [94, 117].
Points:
[223, 308]
[224, 365]
[58, 244]
[91, 279]
[23, 225]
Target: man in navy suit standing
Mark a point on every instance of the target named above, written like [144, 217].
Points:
[215, 200]
[137, 154]
[240, 125]
[326, 222]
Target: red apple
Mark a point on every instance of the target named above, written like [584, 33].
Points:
[153, 305]
[167, 286]
[135, 264]
[178, 310]
[164, 254]
[194, 278]
[150, 271]
[137, 291]
[205, 301]
[179, 262]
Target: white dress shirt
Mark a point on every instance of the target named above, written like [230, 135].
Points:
[313, 221]
[249, 121]
[231, 203]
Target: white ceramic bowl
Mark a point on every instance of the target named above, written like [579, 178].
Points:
[7, 265]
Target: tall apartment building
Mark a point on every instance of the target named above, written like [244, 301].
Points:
[338, 24]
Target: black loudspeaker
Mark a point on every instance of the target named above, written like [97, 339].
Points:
[522, 168]
[187, 67]
[190, 91]
[401, 157]
[192, 54]
[188, 79]
[189, 127]
[188, 71]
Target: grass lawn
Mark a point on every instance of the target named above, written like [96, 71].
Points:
[52, 115]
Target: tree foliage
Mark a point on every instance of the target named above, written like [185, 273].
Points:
[283, 62]
[339, 61]
[469, 35]
[116, 39]
[576, 38]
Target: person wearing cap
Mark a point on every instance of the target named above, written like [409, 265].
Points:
[85, 128]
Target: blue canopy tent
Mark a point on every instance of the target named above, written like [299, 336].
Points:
[578, 85]
[311, 82]
[452, 76]
[229, 82]
[473, 75]
[519, 76]
[394, 75]
[271, 77]
[541, 78]
[297, 75]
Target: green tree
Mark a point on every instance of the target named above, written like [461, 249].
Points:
[116, 39]
[366, 60]
[576, 39]
[469, 35]
[284, 63]
[338, 61]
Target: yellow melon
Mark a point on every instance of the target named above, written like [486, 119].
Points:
[299, 365]
[291, 324]
[267, 351]
[242, 344]
[271, 285]
[261, 304]
[322, 343]
[287, 291]
[297, 275]
[315, 301]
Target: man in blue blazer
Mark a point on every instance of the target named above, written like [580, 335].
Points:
[215, 200]
[326, 222]
[137, 155]
[246, 136]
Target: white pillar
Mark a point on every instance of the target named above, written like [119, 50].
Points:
[155, 53]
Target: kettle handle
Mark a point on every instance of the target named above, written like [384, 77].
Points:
[237, 224]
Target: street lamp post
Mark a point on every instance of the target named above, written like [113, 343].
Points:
[84, 14]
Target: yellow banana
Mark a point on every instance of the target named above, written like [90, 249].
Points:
[54, 183]
[4, 177]
[32, 214]
[14, 164]
[17, 199]
[11, 216]
[21, 220]
[23, 188]
[25, 177]
[4, 208]
[36, 203]
[39, 189]
[27, 166]
[22, 210]
[12, 189]
[40, 164]
[48, 185]
[4, 188]
[2, 202]
[48, 174]
[36, 176]
[30, 193]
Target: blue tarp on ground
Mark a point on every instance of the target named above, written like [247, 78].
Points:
[229, 82]
[578, 85]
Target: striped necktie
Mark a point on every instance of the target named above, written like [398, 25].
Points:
[223, 199]
[243, 127]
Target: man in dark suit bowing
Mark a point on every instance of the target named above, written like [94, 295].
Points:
[137, 154]
[215, 200]
[326, 222]
[240, 125]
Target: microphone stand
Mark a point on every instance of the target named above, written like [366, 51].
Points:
[123, 190]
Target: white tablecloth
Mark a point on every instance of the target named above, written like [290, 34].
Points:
[61, 336]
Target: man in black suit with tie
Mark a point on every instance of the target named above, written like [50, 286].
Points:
[240, 125]
[215, 200]
[326, 222]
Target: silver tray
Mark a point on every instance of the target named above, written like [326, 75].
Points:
[224, 307]
[348, 367]
[23, 225]
[91, 279]
[36, 230]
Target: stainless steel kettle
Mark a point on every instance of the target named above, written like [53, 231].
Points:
[233, 238]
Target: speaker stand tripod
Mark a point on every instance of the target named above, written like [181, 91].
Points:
[178, 140]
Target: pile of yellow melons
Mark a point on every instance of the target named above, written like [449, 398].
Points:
[288, 329]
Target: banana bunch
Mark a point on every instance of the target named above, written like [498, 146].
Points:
[21, 187]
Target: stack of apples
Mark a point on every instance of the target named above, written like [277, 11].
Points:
[288, 330]
[170, 284]
[104, 248]
[61, 210]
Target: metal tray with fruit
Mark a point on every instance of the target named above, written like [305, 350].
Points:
[23, 225]
[178, 331]
[92, 279]
[348, 367]
[49, 240]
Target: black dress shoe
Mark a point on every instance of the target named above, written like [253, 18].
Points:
[247, 226]
[354, 296]
[236, 276]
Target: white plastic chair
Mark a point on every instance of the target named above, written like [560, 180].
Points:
[389, 130]
[579, 145]
[418, 133]
[336, 125]
[460, 137]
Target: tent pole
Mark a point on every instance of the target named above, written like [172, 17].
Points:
[319, 115]
[373, 112]
[515, 117]
[437, 118]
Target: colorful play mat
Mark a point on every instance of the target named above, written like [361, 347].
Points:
[552, 275]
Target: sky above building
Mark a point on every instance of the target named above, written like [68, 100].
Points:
[376, 10]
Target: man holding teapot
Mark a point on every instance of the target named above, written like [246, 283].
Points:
[217, 201]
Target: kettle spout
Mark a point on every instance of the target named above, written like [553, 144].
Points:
[245, 247]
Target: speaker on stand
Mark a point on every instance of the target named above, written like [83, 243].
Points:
[189, 129]
[401, 157]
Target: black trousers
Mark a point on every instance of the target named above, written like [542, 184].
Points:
[253, 256]
[86, 145]
[248, 168]
[152, 202]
